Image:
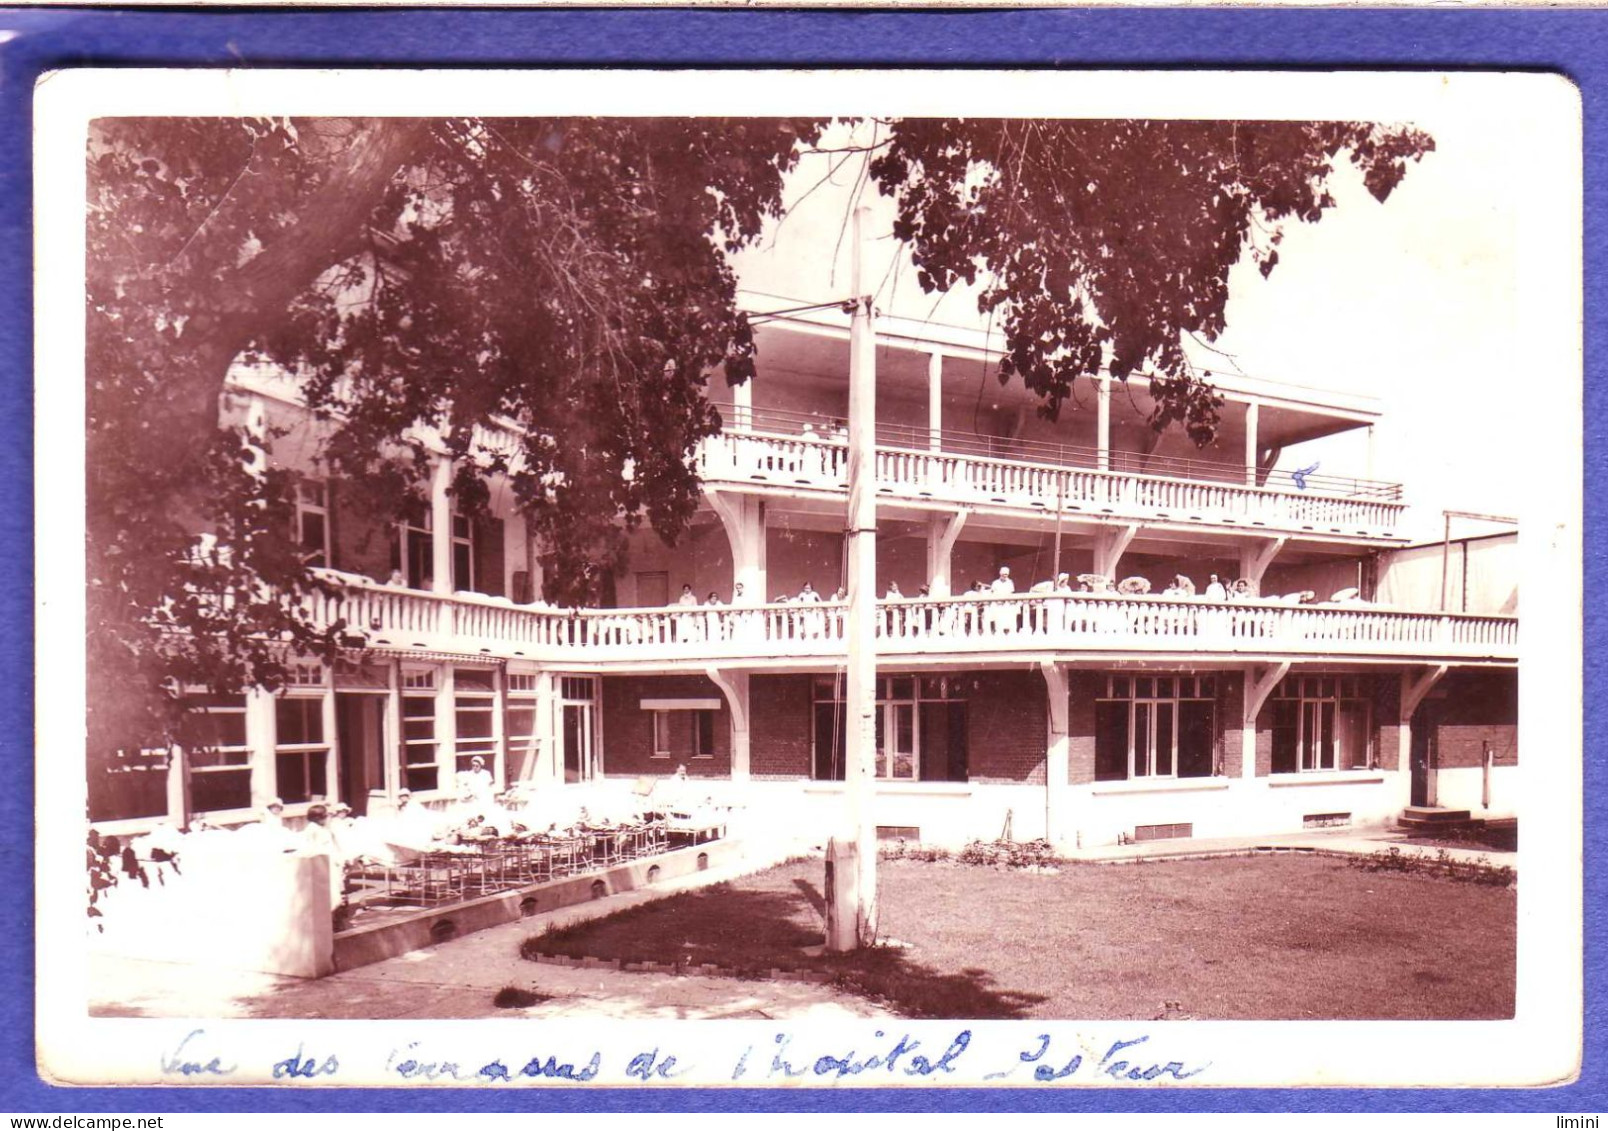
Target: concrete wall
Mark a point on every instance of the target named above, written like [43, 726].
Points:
[254, 909]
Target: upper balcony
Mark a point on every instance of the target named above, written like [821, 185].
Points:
[1021, 628]
[951, 435]
[801, 454]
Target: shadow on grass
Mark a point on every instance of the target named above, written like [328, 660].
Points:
[750, 933]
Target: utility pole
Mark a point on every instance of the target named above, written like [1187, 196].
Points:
[852, 862]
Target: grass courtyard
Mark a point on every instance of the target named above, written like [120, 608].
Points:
[1225, 938]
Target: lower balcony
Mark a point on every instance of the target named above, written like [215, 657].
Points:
[1018, 628]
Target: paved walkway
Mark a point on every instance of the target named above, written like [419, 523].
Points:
[459, 978]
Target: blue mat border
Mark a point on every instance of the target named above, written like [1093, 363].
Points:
[1566, 42]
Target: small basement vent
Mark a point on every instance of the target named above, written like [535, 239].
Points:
[1325, 820]
[1163, 832]
[898, 832]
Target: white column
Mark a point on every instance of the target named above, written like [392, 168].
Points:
[446, 733]
[935, 399]
[178, 786]
[546, 771]
[391, 740]
[743, 519]
[734, 686]
[1057, 790]
[499, 737]
[742, 399]
[1253, 412]
[1369, 458]
[942, 531]
[262, 734]
[441, 526]
[1102, 385]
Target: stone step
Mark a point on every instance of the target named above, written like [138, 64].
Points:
[1424, 816]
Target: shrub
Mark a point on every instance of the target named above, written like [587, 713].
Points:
[1442, 864]
[902, 849]
[517, 997]
[1009, 854]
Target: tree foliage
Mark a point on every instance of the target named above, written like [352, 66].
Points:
[1101, 244]
[565, 277]
[565, 282]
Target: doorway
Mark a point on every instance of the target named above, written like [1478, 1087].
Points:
[360, 733]
[1424, 755]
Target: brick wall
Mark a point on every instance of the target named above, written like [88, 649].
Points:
[1478, 709]
[1387, 716]
[1084, 687]
[628, 729]
[1009, 727]
[1229, 724]
[779, 726]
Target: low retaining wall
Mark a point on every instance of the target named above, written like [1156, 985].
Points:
[266, 913]
[364, 945]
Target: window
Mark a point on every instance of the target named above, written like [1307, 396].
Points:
[921, 728]
[420, 770]
[474, 692]
[312, 522]
[578, 723]
[463, 553]
[661, 734]
[1155, 726]
[681, 728]
[411, 552]
[703, 733]
[301, 750]
[1321, 722]
[519, 725]
[219, 759]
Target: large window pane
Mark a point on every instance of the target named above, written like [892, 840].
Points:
[1286, 734]
[1164, 739]
[1141, 740]
[1353, 734]
[830, 742]
[1195, 738]
[1110, 741]
[215, 790]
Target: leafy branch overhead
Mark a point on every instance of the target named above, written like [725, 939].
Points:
[569, 277]
[1101, 244]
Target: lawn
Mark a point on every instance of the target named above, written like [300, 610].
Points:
[1231, 937]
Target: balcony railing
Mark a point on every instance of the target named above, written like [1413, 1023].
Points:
[1032, 623]
[908, 473]
[810, 425]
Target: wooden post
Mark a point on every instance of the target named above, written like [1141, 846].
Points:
[1253, 412]
[859, 900]
[1102, 418]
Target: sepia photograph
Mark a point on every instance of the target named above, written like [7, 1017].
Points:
[616, 554]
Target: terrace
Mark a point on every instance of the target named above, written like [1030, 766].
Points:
[796, 454]
[1020, 627]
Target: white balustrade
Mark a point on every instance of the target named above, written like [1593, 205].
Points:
[1036, 624]
[791, 461]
